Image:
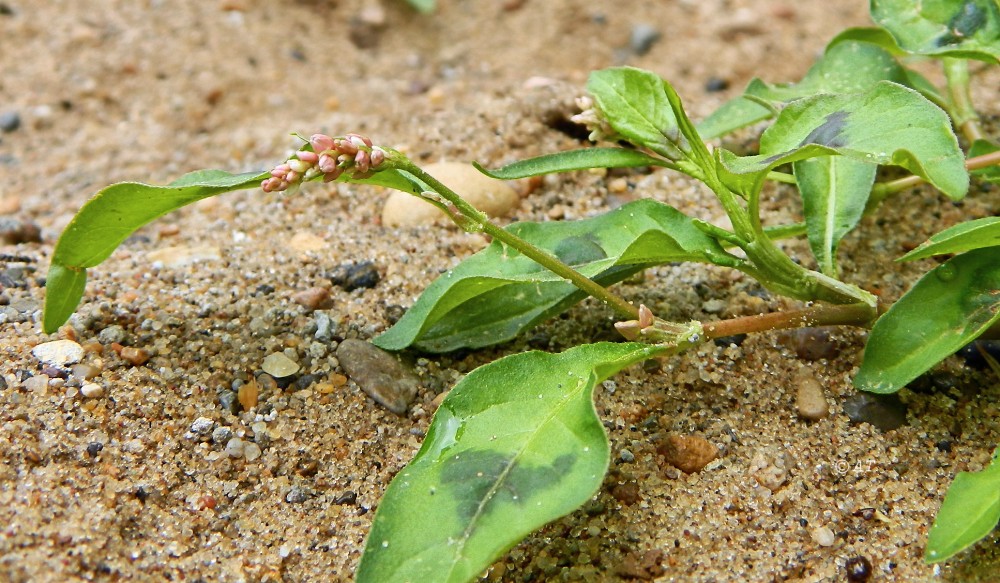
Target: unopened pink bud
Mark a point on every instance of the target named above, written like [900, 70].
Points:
[359, 140]
[327, 163]
[321, 143]
[377, 156]
[346, 147]
[292, 176]
[298, 165]
[307, 156]
[280, 170]
[362, 161]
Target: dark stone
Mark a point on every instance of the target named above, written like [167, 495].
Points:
[715, 84]
[3, 383]
[810, 343]
[627, 493]
[858, 569]
[15, 231]
[394, 312]
[726, 341]
[379, 374]
[886, 412]
[305, 381]
[352, 276]
[943, 445]
[228, 401]
[10, 121]
[348, 498]
[263, 290]
[142, 493]
[643, 37]
[94, 448]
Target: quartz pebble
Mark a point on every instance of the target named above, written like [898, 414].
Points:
[279, 366]
[809, 399]
[379, 374]
[688, 453]
[235, 447]
[251, 451]
[493, 197]
[58, 352]
[92, 390]
[823, 536]
[202, 426]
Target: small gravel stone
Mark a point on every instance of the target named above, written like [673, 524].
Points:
[314, 298]
[14, 232]
[235, 447]
[809, 399]
[347, 498]
[886, 412]
[279, 366]
[229, 401]
[94, 448]
[221, 435]
[810, 343]
[84, 371]
[92, 390]
[823, 536]
[111, 335]
[379, 374]
[859, 569]
[352, 276]
[37, 384]
[10, 121]
[297, 495]
[58, 352]
[626, 456]
[135, 356]
[3, 383]
[716, 84]
[202, 426]
[324, 327]
[251, 451]
[688, 453]
[643, 37]
[494, 197]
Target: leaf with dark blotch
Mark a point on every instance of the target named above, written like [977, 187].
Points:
[516, 444]
[109, 218]
[968, 29]
[949, 307]
[497, 293]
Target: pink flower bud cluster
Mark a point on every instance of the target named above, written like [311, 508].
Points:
[330, 157]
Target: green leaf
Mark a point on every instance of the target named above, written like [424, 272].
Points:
[732, 115]
[109, 218]
[834, 192]
[635, 104]
[948, 308]
[975, 234]
[879, 37]
[497, 293]
[889, 124]
[425, 6]
[516, 444]
[981, 148]
[571, 160]
[967, 29]
[970, 511]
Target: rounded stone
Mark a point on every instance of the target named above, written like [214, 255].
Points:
[688, 453]
[58, 352]
[810, 400]
[493, 197]
[92, 390]
[279, 366]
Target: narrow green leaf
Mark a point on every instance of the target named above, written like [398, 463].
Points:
[834, 192]
[571, 160]
[967, 29]
[888, 124]
[497, 293]
[975, 234]
[425, 6]
[970, 511]
[516, 444]
[109, 218]
[948, 308]
[981, 148]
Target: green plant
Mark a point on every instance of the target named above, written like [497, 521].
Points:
[518, 443]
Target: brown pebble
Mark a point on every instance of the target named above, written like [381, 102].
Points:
[688, 453]
[379, 374]
[314, 298]
[646, 566]
[810, 402]
[810, 343]
[627, 493]
[135, 356]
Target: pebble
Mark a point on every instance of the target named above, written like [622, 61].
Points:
[92, 390]
[111, 335]
[716, 84]
[379, 374]
[810, 343]
[324, 327]
[84, 371]
[859, 569]
[279, 366]
[352, 276]
[15, 231]
[314, 298]
[174, 257]
[643, 37]
[494, 197]
[94, 448]
[688, 453]
[810, 400]
[251, 451]
[58, 352]
[823, 536]
[886, 412]
[228, 401]
[235, 447]
[297, 495]
[37, 384]
[348, 498]
[202, 426]
[10, 121]
[221, 435]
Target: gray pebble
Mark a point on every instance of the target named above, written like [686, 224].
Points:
[3, 383]
[251, 451]
[324, 327]
[221, 435]
[352, 276]
[10, 121]
[379, 374]
[228, 401]
[626, 456]
[642, 38]
[810, 400]
[235, 447]
[297, 495]
[111, 335]
[202, 426]
[886, 412]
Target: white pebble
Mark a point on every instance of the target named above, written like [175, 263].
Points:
[279, 366]
[823, 536]
[251, 451]
[58, 352]
[92, 390]
[493, 197]
[235, 447]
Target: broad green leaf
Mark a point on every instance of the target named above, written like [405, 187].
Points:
[425, 6]
[497, 293]
[970, 511]
[571, 160]
[834, 192]
[967, 29]
[516, 444]
[732, 115]
[975, 234]
[879, 37]
[888, 124]
[109, 218]
[981, 148]
[948, 308]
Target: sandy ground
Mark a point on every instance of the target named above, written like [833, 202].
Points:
[119, 486]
